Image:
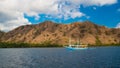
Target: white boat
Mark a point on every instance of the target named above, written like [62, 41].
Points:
[77, 46]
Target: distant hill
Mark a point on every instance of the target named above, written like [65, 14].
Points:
[87, 32]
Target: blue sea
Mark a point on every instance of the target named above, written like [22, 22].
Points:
[94, 57]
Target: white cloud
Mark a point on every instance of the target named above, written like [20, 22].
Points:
[118, 25]
[12, 11]
[94, 2]
[14, 22]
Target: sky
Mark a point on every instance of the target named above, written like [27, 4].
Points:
[15, 13]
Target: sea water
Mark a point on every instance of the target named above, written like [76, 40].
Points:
[94, 57]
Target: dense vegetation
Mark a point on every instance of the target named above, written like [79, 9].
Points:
[98, 45]
[45, 44]
[26, 45]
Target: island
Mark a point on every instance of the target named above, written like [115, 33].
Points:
[50, 34]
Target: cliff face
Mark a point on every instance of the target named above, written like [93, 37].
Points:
[87, 32]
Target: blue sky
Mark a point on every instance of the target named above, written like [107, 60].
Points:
[107, 15]
[22, 12]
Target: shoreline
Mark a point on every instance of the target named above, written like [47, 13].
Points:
[43, 45]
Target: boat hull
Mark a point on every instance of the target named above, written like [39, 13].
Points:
[73, 48]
